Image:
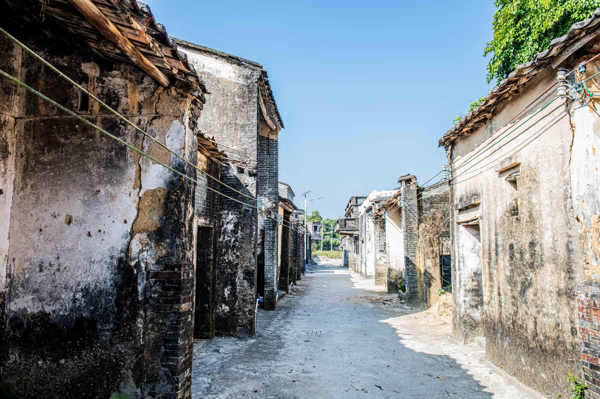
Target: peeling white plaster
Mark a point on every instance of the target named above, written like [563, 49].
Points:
[175, 138]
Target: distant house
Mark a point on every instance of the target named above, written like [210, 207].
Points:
[371, 243]
[291, 238]
[348, 228]
[315, 230]
[242, 115]
[525, 217]
[401, 238]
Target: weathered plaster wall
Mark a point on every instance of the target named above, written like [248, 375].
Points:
[585, 183]
[90, 240]
[206, 224]
[395, 248]
[379, 250]
[369, 245]
[8, 110]
[231, 116]
[367, 230]
[434, 235]
[522, 292]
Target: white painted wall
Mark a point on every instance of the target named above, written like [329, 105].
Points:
[395, 239]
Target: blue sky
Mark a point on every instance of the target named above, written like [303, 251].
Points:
[365, 89]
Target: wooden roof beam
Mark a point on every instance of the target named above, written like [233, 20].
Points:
[98, 20]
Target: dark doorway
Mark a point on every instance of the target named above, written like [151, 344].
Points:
[206, 280]
[446, 270]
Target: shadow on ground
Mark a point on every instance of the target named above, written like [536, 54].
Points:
[336, 337]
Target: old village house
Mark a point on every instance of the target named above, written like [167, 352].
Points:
[116, 251]
[291, 240]
[525, 204]
[400, 238]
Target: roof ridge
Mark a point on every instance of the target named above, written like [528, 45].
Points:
[227, 56]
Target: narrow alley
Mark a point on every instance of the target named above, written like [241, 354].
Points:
[340, 336]
[299, 200]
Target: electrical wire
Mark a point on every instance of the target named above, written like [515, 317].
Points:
[499, 139]
[584, 63]
[491, 164]
[240, 152]
[87, 122]
[117, 114]
[436, 175]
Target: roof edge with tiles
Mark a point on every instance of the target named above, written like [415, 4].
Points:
[497, 99]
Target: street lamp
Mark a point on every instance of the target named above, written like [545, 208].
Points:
[305, 207]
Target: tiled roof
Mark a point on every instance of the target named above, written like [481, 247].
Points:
[135, 23]
[210, 149]
[286, 203]
[558, 50]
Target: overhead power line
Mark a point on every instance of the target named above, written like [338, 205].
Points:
[117, 114]
[496, 142]
[87, 122]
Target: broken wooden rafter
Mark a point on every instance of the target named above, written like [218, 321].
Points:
[98, 20]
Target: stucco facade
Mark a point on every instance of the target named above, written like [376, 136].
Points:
[242, 116]
[371, 241]
[524, 205]
[94, 237]
[401, 239]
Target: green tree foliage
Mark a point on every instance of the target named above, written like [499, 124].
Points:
[328, 227]
[329, 239]
[523, 28]
[315, 216]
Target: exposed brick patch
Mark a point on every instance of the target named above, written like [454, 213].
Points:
[588, 308]
[410, 226]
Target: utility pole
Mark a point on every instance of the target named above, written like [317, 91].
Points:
[331, 239]
[322, 235]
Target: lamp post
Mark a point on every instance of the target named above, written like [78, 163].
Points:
[305, 207]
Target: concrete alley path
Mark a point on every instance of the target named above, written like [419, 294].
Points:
[339, 336]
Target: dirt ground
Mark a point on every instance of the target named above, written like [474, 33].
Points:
[339, 336]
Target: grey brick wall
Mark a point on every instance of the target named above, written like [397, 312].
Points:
[410, 226]
[268, 192]
[295, 254]
[207, 201]
[301, 240]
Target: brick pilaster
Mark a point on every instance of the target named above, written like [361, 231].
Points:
[410, 227]
[268, 192]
